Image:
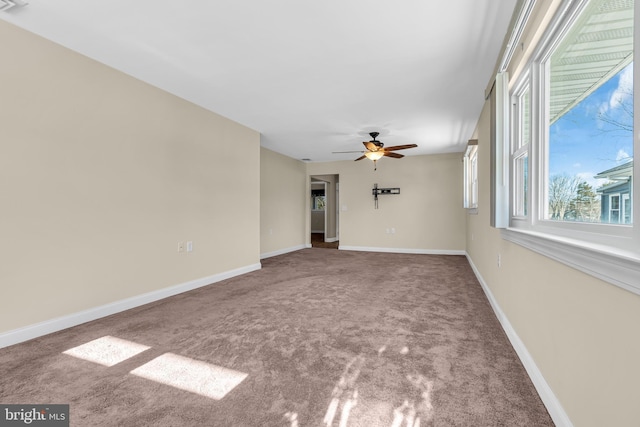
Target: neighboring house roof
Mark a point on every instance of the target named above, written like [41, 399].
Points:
[620, 172]
[621, 175]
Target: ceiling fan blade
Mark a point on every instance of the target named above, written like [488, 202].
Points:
[400, 147]
[339, 152]
[359, 158]
[371, 146]
[394, 155]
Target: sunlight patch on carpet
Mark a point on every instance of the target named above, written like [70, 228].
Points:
[345, 393]
[191, 375]
[106, 351]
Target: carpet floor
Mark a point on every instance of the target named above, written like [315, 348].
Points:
[315, 338]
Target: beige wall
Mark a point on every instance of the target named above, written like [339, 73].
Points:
[427, 215]
[283, 199]
[431, 193]
[317, 221]
[581, 332]
[102, 175]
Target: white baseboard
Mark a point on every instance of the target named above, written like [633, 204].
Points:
[403, 251]
[283, 251]
[551, 402]
[54, 325]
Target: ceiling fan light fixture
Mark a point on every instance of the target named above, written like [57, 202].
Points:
[375, 149]
[374, 155]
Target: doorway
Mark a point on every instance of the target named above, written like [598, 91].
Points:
[324, 211]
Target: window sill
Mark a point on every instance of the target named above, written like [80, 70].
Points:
[618, 267]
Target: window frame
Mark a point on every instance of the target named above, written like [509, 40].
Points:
[519, 202]
[610, 210]
[610, 252]
[625, 198]
[470, 166]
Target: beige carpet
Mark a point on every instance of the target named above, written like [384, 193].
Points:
[316, 338]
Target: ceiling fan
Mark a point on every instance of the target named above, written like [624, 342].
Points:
[376, 150]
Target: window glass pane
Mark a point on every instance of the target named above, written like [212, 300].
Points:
[525, 136]
[590, 116]
[474, 180]
[520, 151]
[318, 202]
[614, 209]
[626, 208]
[521, 177]
[471, 177]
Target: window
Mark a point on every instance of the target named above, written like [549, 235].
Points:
[520, 141]
[471, 175]
[614, 208]
[571, 142]
[589, 109]
[580, 85]
[318, 200]
[626, 209]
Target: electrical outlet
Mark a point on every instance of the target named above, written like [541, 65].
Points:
[499, 260]
[393, 231]
[189, 246]
[180, 246]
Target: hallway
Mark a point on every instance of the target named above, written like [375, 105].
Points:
[317, 241]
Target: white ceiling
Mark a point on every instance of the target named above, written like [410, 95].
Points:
[311, 77]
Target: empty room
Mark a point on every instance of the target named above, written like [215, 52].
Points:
[296, 214]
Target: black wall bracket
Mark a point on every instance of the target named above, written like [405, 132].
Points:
[376, 191]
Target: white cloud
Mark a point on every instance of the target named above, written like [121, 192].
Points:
[622, 156]
[624, 91]
[577, 165]
[589, 178]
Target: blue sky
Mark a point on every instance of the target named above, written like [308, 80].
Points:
[581, 144]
